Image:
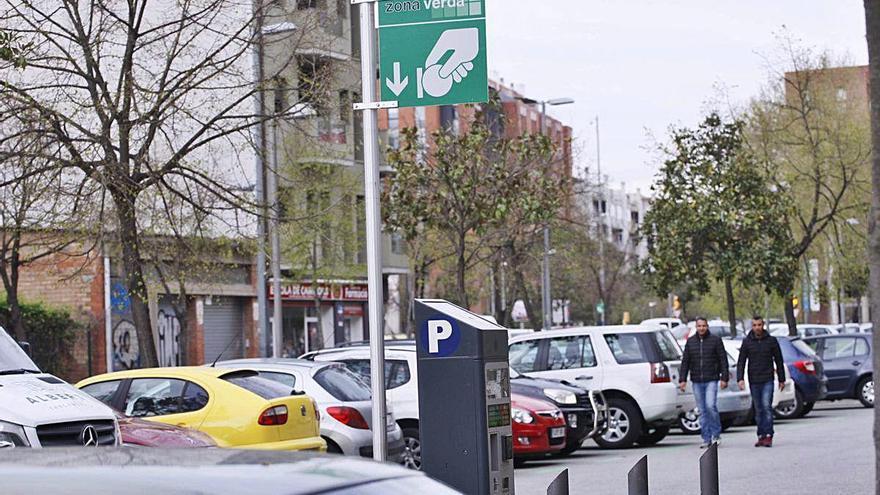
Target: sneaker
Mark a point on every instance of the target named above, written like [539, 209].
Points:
[716, 440]
[768, 441]
[760, 442]
[705, 445]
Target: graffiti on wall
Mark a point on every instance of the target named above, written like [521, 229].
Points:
[126, 353]
[169, 337]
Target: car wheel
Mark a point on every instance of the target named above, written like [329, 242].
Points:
[808, 406]
[654, 436]
[412, 452]
[624, 425]
[865, 389]
[689, 422]
[570, 448]
[793, 411]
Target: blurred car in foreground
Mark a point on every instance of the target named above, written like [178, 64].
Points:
[142, 433]
[538, 428]
[342, 397]
[201, 471]
[849, 365]
[236, 408]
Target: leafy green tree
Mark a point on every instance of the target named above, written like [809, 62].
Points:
[472, 190]
[714, 216]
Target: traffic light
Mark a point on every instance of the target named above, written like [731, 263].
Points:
[795, 302]
[676, 304]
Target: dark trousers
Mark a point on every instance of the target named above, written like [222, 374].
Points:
[762, 399]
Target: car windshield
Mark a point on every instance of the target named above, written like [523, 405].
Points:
[13, 358]
[342, 384]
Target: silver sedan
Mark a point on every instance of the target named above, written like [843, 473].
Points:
[342, 397]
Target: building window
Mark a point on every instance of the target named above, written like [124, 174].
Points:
[314, 74]
[342, 9]
[397, 244]
[393, 128]
[345, 106]
[841, 94]
[306, 4]
[634, 217]
[449, 118]
[280, 95]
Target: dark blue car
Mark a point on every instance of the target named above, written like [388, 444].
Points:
[848, 364]
[807, 371]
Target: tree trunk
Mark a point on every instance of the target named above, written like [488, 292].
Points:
[789, 316]
[537, 323]
[134, 275]
[16, 323]
[731, 305]
[872, 24]
[460, 269]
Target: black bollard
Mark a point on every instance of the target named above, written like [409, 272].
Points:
[709, 471]
[638, 478]
[559, 486]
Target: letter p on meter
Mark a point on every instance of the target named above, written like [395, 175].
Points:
[438, 330]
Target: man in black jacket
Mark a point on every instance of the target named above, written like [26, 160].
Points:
[706, 360]
[761, 351]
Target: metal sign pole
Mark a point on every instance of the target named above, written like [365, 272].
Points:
[374, 221]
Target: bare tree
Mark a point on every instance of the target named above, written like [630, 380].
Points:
[141, 95]
[36, 212]
[813, 150]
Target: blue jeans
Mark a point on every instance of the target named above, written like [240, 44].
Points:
[706, 394]
[762, 398]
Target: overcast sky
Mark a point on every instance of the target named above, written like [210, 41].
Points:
[642, 65]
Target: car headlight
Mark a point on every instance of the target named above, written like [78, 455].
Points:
[520, 416]
[560, 396]
[11, 433]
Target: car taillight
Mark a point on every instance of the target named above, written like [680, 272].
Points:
[274, 416]
[806, 367]
[348, 416]
[660, 373]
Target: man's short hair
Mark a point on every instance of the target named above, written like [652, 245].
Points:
[699, 319]
[758, 318]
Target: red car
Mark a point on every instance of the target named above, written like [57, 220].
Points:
[538, 428]
[144, 433]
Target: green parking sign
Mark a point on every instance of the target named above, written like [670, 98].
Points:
[433, 52]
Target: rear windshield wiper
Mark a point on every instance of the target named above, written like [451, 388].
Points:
[19, 371]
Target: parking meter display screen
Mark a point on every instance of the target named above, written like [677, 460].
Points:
[499, 415]
[497, 383]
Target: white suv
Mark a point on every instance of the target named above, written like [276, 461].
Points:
[634, 366]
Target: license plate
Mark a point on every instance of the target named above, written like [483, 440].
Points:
[557, 432]
[573, 420]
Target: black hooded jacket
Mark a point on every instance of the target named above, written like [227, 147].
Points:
[761, 354]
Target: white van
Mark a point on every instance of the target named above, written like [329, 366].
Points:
[40, 410]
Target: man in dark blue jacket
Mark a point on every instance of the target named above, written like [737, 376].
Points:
[761, 351]
[705, 359]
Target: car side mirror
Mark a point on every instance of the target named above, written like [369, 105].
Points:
[26, 347]
[6, 445]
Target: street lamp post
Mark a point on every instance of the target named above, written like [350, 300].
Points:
[546, 301]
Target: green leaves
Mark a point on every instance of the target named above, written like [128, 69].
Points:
[714, 215]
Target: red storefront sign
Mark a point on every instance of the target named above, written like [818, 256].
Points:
[325, 291]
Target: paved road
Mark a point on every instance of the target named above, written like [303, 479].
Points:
[829, 452]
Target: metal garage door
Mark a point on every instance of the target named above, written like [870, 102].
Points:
[224, 327]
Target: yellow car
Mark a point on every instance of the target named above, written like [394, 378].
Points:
[236, 407]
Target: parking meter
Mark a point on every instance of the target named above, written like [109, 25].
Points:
[464, 399]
